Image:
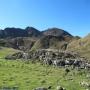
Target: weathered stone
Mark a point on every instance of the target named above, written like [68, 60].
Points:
[60, 88]
[53, 57]
[10, 57]
[41, 88]
[85, 84]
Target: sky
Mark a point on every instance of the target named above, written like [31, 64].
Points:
[70, 15]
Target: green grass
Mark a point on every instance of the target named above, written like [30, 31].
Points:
[6, 51]
[27, 76]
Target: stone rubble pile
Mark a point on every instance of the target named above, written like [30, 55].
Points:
[53, 57]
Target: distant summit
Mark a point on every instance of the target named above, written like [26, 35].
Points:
[31, 32]
[18, 32]
[56, 32]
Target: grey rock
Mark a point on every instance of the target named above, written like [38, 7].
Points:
[60, 88]
[53, 57]
[41, 88]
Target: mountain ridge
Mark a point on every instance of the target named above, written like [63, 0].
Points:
[31, 32]
[32, 38]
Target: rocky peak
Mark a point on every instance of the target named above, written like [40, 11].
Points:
[32, 32]
[14, 32]
[56, 32]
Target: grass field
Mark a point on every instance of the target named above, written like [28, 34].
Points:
[25, 75]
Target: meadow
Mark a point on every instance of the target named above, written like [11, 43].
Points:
[25, 75]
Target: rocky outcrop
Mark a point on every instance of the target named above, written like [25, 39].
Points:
[14, 56]
[53, 57]
[40, 88]
[60, 88]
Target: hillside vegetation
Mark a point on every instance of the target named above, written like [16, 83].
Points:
[82, 46]
[50, 42]
[25, 75]
[6, 51]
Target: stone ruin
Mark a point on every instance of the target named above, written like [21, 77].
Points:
[53, 57]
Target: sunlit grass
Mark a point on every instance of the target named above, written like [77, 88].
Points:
[27, 76]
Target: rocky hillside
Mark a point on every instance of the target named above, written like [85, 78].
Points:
[18, 32]
[21, 43]
[51, 42]
[31, 38]
[56, 32]
[53, 38]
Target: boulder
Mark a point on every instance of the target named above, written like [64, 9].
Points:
[52, 57]
[60, 88]
[41, 88]
[85, 84]
[14, 56]
[10, 57]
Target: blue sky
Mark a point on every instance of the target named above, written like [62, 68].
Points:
[70, 15]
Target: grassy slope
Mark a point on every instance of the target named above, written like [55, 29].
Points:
[82, 46]
[53, 43]
[27, 76]
[6, 51]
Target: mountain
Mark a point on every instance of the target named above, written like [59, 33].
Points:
[82, 46]
[31, 38]
[18, 32]
[56, 32]
[12, 32]
[32, 32]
